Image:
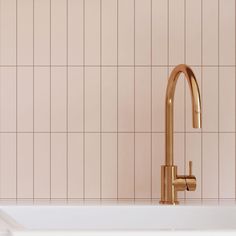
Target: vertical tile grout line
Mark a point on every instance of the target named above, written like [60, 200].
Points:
[33, 102]
[83, 99]
[218, 99]
[1, 100]
[168, 38]
[100, 100]
[235, 94]
[134, 103]
[117, 102]
[151, 96]
[50, 57]
[202, 98]
[16, 99]
[67, 102]
[168, 64]
[185, 94]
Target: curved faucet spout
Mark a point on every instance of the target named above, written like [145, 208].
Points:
[196, 106]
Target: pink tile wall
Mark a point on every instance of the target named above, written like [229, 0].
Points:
[82, 96]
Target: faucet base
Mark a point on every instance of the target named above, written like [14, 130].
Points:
[171, 184]
[168, 191]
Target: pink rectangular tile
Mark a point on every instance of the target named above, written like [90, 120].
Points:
[8, 28]
[210, 99]
[8, 99]
[176, 32]
[125, 32]
[227, 99]
[75, 32]
[109, 165]
[159, 32]
[143, 99]
[158, 159]
[193, 32]
[188, 114]
[179, 156]
[210, 165]
[159, 83]
[75, 99]
[8, 166]
[92, 166]
[42, 32]
[24, 165]
[227, 165]
[193, 153]
[58, 165]
[25, 99]
[142, 32]
[227, 32]
[75, 165]
[126, 165]
[179, 107]
[58, 99]
[92, 32]
[41, 165]
[41, 99]
[210, 32]
[109, 99]
[109, 32]
[143, 183]
[92, 99]
[58, 32]
[25, 32]
[125, 99]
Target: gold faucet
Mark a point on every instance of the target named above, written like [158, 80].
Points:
[171, 182]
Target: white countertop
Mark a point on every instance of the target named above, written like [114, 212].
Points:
[124, 217]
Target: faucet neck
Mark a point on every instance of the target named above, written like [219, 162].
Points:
[196, 106]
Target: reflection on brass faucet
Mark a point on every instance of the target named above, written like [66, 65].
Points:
[171, 182]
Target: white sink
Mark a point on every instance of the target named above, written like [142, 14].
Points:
[94, 219]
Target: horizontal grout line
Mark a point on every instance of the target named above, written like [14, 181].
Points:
[115, 132]
[104, 199]
[49, 66]
[52, 199]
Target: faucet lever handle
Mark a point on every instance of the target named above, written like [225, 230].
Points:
[190, 168]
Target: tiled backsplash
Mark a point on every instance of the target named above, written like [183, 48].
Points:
[82, 93]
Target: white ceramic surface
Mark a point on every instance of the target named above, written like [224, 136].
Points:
[124, 219]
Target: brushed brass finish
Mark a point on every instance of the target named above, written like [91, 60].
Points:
[171, 182]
